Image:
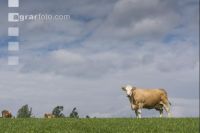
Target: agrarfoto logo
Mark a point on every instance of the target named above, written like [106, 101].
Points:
[15, 17]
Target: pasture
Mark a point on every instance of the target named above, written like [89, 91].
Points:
[100, 125]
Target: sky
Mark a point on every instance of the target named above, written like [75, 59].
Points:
[83, 62]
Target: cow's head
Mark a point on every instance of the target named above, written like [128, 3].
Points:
[128, 89]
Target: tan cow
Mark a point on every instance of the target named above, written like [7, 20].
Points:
[147, 98]
[6, 114]
[48, 115]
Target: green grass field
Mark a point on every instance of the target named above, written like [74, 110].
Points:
[100, 125]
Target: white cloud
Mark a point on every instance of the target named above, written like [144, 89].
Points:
[66, 58]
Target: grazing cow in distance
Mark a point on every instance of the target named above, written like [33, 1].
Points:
[147, 98]
[48, 115]
[6, 114]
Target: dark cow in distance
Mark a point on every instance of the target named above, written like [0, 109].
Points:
[6, 114]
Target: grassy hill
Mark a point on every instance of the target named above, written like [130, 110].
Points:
[100, 125]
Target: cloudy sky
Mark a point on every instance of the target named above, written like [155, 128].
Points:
[84, 61]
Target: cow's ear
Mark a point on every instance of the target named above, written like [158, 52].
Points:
[133, 88]
[123, 88]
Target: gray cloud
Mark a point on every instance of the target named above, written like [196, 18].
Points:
[140, 19]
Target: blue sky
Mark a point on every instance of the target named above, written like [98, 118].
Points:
[84, 61]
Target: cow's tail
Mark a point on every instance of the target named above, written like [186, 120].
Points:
[163, 90]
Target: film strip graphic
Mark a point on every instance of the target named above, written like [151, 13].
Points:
[13, 31]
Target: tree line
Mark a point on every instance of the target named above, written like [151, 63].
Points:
[26, 112]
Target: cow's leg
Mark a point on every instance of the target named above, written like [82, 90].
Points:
[166, 105]
[140, 110]
[167, 109]
[134, 108]
[159, 108]
[161, 112]
[138, 113]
